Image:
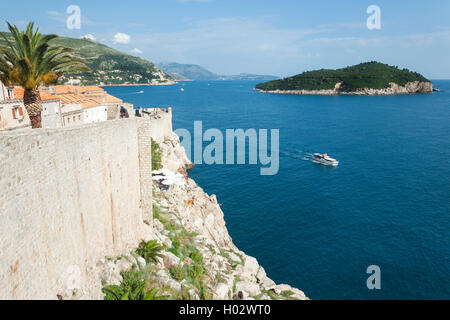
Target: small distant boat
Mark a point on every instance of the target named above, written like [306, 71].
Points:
[325, 160]
[182, 89]
[142, 91]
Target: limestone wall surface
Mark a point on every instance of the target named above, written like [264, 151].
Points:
[69, 198]
[161, 123]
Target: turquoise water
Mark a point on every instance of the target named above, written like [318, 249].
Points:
[319, 228]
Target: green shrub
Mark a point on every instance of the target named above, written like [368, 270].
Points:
[150, 251]
[196, 271]
[158, 214]
[205, 293]
[196, 256]
[132, 287]
[287, 293]
[156, 156]
[183, 294]
[177, 273]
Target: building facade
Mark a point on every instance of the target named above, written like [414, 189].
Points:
[62, 105]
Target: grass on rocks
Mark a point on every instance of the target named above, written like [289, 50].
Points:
[190, 274]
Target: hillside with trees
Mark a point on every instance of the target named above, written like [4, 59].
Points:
[108, 65]
[370, 75]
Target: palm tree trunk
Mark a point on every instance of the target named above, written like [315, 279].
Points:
[33, 105]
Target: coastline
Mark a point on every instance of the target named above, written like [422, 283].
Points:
[171, 83]
[395, 89]
[198, 212]
[184, 213]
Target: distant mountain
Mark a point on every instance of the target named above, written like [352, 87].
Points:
[188, 71]
[247, 76]
[196, 72]
[178, 77]
[110, 66]
[359, 78]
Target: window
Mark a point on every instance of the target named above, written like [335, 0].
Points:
[10, 93]
[74, 118]
[68, 120]
[17, 113]
[79, 117]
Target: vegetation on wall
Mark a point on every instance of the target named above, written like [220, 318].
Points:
[150, 251]
[372, 75]
[156, 156]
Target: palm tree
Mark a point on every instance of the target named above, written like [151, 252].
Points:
[28, 60]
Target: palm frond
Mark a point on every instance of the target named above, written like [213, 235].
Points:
[28, 59]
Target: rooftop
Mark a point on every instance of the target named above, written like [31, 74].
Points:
[19, 93]
[87, 97]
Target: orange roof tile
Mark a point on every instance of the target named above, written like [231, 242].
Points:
[76, 98]
[89, 104]
[89, 89]
[19, 93]
[62, 89]
[112, 99]
[87, 97]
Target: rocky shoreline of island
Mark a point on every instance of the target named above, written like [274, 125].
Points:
[416, 87]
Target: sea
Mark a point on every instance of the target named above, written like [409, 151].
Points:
[321, 228]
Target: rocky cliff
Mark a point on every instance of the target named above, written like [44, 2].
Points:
[199, 260]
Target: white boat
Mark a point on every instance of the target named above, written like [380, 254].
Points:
[182, 89]
[324, 159]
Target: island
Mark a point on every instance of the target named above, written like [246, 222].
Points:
[370, 78]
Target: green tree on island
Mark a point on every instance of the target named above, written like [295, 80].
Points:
[28, 60]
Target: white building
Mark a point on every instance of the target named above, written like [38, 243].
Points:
[72, 82]
[51, 115]
[6, 93]
[61, 106]
[72, 115]
[78, 114]
[95, 114]
[13, 114]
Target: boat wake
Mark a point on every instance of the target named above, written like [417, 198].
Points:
[300, 154]
[132, 93]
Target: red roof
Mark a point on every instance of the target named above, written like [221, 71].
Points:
[19, 92]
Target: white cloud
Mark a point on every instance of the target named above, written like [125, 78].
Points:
[56, 16]
[54, 13]
[227, 46]
[122, 38]
[137, 51]
[89, 37]
[240, 45]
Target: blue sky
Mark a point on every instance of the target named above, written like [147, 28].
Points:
[282, 37]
